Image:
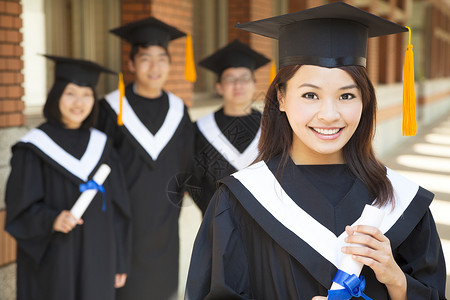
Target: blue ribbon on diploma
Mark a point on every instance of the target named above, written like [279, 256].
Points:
[92, 185]
[353, 287]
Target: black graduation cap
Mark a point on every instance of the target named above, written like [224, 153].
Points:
[149, 31]
[234, 55]
[330, 36]
[79, 71]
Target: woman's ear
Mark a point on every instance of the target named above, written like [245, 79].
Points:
[280, 97]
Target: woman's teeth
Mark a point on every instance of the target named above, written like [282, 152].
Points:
[326, 131]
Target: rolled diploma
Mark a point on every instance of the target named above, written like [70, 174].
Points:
[86, 197]
[371, 216]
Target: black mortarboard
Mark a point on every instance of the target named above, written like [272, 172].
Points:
[79, 71]
[234, 55]
[149, 31]
[330, 36]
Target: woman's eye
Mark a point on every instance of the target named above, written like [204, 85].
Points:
[310, 96]
[346, 96]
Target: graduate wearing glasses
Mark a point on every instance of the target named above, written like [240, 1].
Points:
[227, 140]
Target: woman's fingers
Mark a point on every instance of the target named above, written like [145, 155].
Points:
[367, 236]
[372, 231]
[120, 280]
[65, 222]
[349, 229]
[369, 246]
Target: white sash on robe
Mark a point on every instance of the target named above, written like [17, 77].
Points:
[81, 168]
[152, 144]
[208, 127]
[262, 184]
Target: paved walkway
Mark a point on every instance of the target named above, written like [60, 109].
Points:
[424, 159]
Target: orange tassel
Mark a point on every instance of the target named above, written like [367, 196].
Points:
[409, 98]
[273, 71]
[189, 65]
[121, 88]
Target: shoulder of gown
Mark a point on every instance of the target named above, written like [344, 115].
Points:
[219, 268]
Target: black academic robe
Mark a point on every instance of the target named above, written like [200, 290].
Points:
[155, 146]
[243, 251]
[79, 265]
[223, 145]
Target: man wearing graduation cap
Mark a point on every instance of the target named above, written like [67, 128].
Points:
[280, 228]
[155, 143]
[60, 256]
[227, 140]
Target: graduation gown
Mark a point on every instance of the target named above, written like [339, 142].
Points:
[47, 167]
[223, 145]
[155, 146]
[268, 238]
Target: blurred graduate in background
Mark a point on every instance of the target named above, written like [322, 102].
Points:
[154, 136]
[59, 256]
[227, 140]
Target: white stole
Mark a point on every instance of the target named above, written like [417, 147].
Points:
[81, 168]
[152, 144]
[208, 127]
[263, 185]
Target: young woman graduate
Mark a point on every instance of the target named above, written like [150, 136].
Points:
[59, 256]
[227, 140]
[155, 144]
[274, 230]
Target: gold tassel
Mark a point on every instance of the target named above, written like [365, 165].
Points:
[189, 65]
[121, 88]
[409, 99]
[273, 70]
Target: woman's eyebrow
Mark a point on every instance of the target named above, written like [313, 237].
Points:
[310, 85]
[348, 87]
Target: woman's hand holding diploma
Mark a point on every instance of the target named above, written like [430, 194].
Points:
[120, 280]
[65, 222]
[374, 250]
[89, 193]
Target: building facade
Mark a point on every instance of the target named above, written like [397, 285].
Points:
[79, 28]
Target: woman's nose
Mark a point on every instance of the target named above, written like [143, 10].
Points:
[329, 111]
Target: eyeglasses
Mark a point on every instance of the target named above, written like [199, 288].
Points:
[233, 80]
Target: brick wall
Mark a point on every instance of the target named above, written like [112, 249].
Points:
[440, 42]
[7, 243]
[11, 92]
[238, 12]
[244, 11]
[177, 13]
[260, 9]
[11, 64]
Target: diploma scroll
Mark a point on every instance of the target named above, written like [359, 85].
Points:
[371, 216]
[87, 196]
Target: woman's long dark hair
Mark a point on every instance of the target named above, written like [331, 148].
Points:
[51, 107]
[277, 134]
